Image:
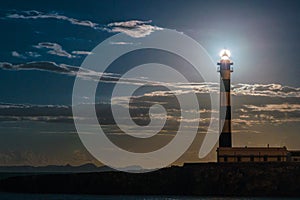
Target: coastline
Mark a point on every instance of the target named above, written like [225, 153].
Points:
[193, 179]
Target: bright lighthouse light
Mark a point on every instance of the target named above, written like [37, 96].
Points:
[225, 54]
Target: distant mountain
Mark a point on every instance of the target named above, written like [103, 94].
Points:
[133, 168]
[56, 168]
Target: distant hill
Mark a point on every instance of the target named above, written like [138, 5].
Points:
[56, 168]
[89, 167]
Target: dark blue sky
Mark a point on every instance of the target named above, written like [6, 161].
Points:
[44, 42]
[262, 35]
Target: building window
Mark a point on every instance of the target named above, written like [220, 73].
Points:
[225, 159]
[278, 158]
[239, 159]
[252, 158]
[265, 158]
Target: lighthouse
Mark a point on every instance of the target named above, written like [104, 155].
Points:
[225, 70]
[225, 152]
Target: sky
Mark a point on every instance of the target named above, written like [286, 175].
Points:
[45, 42]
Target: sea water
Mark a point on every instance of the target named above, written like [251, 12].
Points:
[13, 196]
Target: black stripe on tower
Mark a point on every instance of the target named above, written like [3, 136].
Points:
[225, 137]
[225, 140]
[226, 126]
[225, 87]
[225, 110]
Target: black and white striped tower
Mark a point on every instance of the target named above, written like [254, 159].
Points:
[225, 105]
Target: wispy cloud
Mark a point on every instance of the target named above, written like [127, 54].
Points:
[18, 55]
[262, 119]
[82, 52]
[274, 90]
[56, 49]
[284, 107]
[133, 28]
[32, 54]
[122, 43]
[42, 66]
[28, 112]
[240, 89]
[56, 68]
[27, 54]
[33, 14]
[259, 90]
[272, 113]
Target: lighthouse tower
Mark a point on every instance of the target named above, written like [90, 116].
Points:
[225, 105]
[225, 152]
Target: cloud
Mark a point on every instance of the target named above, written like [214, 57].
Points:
[246, 117]
[56, 49]
[33, 54]
[28, 112]
[64, 69]
[55, 68]
[284, 107]
[262, 119]
[18, 55]
[10, 105]
[270, 90]
[82, 52]
[251, 115]
[42, 66]
[122, 43]
[133, 28]
[76, 71]
[33, 14]
[185, 88]
[239, 90]
[27, 54]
